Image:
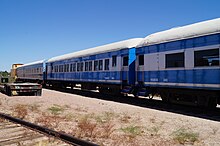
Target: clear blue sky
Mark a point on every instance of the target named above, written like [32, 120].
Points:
[32, 30]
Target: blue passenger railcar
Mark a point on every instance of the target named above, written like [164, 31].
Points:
[104, 68]
[31, 72]
[182, 64]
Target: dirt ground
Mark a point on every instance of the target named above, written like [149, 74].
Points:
[111, 123]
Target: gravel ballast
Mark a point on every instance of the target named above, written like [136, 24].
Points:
[111, 123]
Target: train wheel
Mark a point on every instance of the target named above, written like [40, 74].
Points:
[9, 91]
[38, 93]
[151, 96]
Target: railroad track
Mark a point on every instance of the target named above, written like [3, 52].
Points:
[17, 132]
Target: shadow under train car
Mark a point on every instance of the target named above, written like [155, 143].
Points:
[200, 112]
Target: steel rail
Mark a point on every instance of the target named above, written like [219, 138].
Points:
[62, 136]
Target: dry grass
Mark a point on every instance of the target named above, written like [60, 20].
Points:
[20, 111]
[69, 117]
[184, 136]
[125, 140]
[34, 107]
[107, 129]
[125, 118]
[86, 127]
[96, 127]
[154, 130]
[105, 117]
[2, 120]
[50, 121]
[132, 131]
[81, 109]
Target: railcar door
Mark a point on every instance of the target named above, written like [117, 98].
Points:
[128, 68]
[51, 70]
[124, 69]
[45, 70]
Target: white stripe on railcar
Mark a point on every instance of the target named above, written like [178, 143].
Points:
[184, 84]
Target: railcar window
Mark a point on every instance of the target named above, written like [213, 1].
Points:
[100, 64]
[78, 66]
[56, 68]
[81, 69]
[67, 67]
[74, 67]
[206, 57]
[86, 66]
[90, 66]
[96, 66]
[71, 67]
[106, 64]
[175, 60]
[114, 61]
[141, 59]
[125, 61]
[60, 68]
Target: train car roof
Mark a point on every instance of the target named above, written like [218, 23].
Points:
[32, 63]
[177, 33]
[100, 49]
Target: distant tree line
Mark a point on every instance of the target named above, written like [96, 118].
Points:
[4, 73]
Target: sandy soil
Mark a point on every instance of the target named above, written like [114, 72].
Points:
[111, 123]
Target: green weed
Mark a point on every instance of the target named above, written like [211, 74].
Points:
[183, 136]
[56, 109]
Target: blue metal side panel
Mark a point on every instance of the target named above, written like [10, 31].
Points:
[131, 63]
[124, 52]
[88, 76]
[181, 44]
[152, 49]
[211, 76]
[213, 39]
[173, 45]
[139, 76]
[189, 43]
[198, 76]
[124, 75]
